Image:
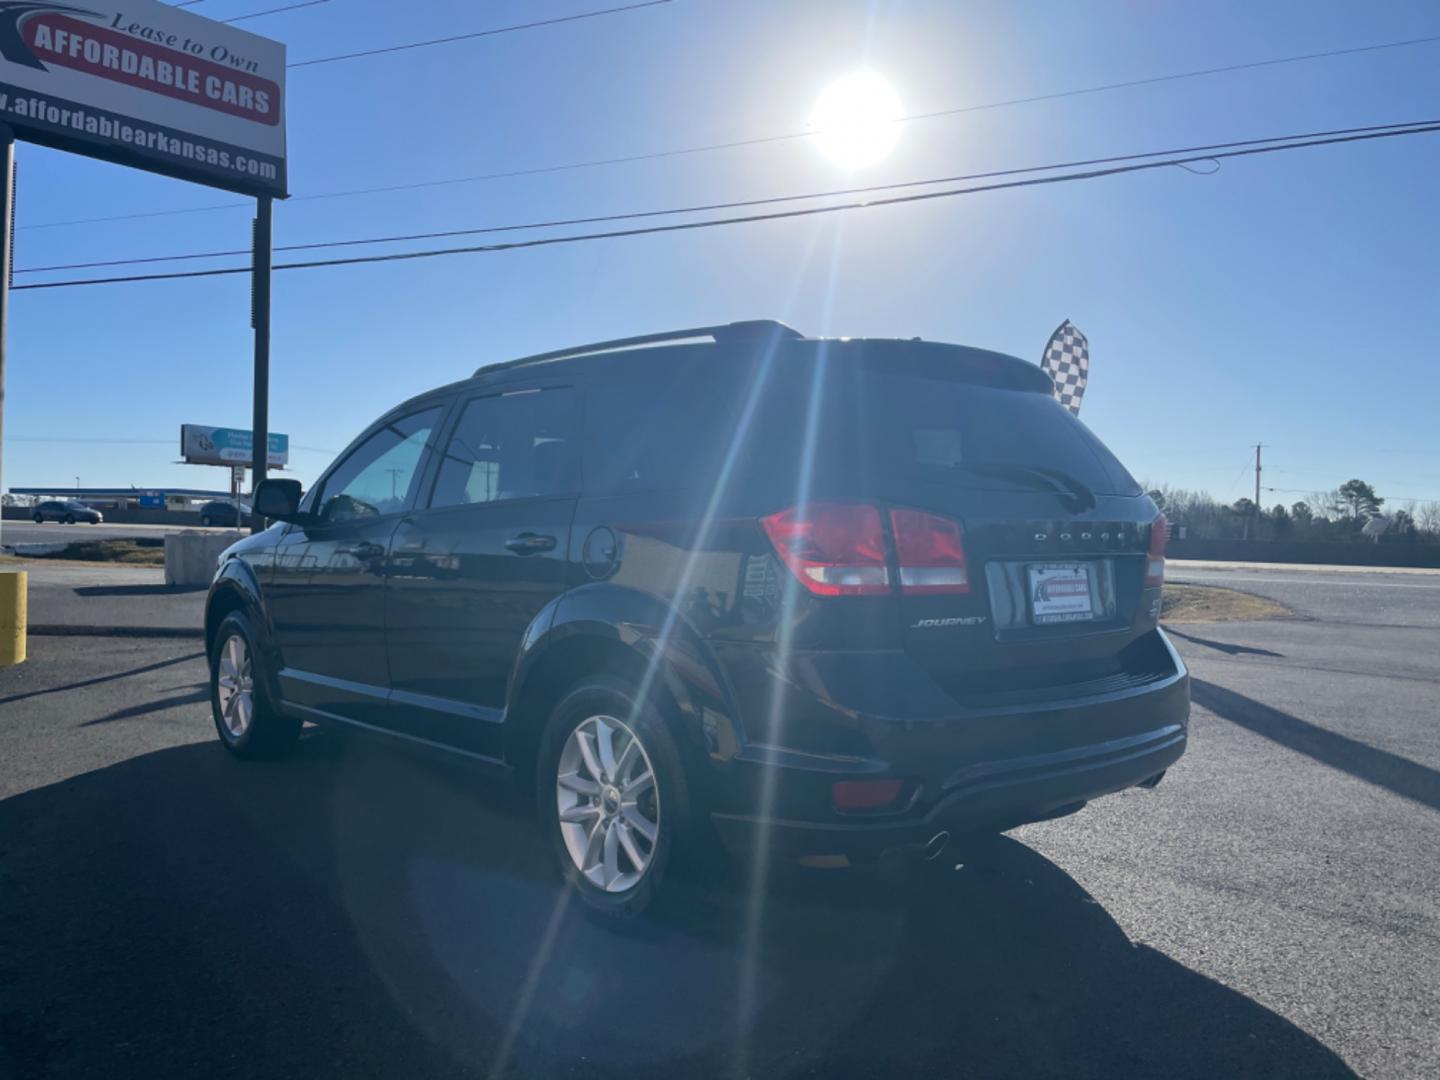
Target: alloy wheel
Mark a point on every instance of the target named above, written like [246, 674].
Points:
[609, 805]
[235, 686]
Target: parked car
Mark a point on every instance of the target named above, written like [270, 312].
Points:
[66, 510]
[222, 513]
[828, 597]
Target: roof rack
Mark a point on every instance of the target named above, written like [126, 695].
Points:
[754, 329]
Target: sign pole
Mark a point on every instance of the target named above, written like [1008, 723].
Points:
[7, 246]
[260, 320]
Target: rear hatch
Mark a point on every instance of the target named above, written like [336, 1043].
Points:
[1016, 542]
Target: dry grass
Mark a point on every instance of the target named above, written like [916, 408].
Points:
[1206, 603]
[109, 552]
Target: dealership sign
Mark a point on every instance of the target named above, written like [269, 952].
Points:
[146, 84]
[201, 445]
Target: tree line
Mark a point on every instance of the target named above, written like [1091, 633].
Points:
[1339, 514]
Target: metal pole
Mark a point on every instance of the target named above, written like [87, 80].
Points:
[260, 320]
[1257, 490]
[7, 244]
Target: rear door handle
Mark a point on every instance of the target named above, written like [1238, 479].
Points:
[528, 543]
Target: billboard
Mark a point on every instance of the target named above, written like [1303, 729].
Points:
[201, 445]
[149, 85]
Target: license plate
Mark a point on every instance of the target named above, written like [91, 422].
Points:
[1060, 593]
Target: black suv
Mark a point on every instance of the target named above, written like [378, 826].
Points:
[829, 598]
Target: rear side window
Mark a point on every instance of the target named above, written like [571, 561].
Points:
[662, 426]
[518, 445]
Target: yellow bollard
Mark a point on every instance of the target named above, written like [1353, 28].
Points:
[13, 588]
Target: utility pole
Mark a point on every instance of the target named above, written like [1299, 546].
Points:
[1256, 511]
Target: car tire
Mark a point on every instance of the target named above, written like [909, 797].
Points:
[245, 719]
[205, 522]
[39, 519]
[69, 519]
[617, 817]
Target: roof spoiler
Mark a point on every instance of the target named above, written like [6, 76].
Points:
[752, 330]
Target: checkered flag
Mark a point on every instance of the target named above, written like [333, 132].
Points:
[1067, 361]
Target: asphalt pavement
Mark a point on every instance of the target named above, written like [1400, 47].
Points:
[76, 598]
[1349, 595]
[353, 911]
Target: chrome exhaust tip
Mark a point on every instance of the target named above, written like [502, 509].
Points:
[935, 845]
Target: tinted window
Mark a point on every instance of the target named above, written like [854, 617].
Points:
[933, 429]
[662, 426]
[856, 419]
[377, 476]
[510, 446]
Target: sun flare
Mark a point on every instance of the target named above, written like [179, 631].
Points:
[856, 120]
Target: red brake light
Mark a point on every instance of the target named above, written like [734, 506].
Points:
[835, 549]
[1155, 557]
[931, 551]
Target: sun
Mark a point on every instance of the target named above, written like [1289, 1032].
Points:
[856, 120]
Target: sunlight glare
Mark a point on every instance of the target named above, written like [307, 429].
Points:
[855, 120]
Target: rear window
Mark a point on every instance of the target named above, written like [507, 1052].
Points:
[934, 429]
[854, 418]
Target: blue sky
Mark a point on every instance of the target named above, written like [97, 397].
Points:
[1291, 298]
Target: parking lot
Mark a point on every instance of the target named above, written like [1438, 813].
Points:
[1270, 909]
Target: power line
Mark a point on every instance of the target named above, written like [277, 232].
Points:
[734, 144]
[477, 34]
[710, 223]
[707, 207]
[275, 11]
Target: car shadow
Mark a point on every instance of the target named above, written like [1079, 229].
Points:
[97, 680]
[353, 912]
[193, 695]
[1221, 646]
[1396, 774]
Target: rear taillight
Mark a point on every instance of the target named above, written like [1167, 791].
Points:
[931, 550]
[1155, 557]
[835, 549]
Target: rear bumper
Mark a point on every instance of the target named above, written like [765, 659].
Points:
[975, 772]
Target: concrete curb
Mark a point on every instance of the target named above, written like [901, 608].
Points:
[78, 630]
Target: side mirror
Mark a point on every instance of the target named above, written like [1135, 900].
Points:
[280, 500]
